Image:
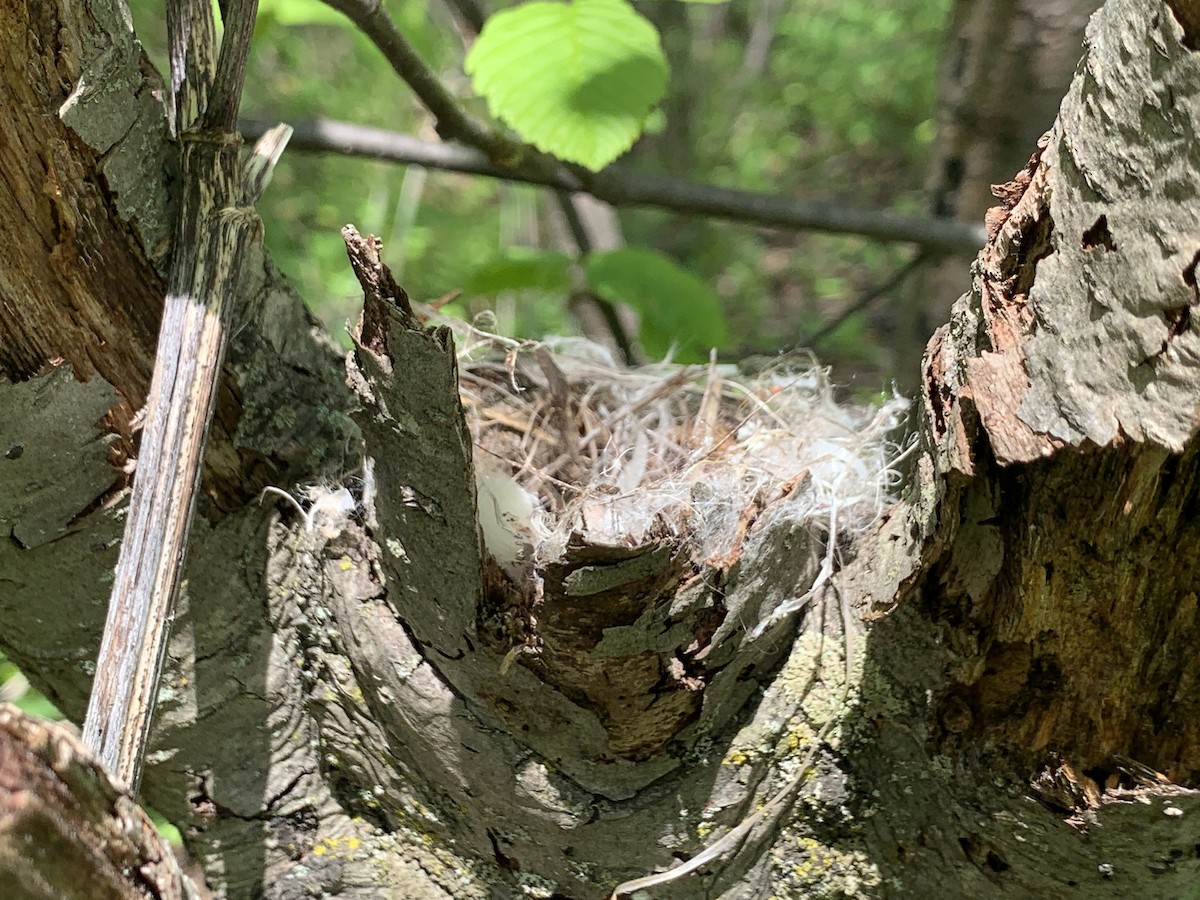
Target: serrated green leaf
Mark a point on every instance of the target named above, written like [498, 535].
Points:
[574, 79]
[520, 270]
[677, 309]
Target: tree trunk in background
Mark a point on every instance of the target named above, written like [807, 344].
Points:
[1005, 66]
[339, 716]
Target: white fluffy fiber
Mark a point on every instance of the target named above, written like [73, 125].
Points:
[567, 441]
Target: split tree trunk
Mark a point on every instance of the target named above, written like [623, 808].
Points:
[335, 717]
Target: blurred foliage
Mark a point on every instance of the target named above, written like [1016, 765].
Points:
[15, 689]
[823, 100]
[676, 308]
[521, 269]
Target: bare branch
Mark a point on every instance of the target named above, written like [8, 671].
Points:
[869, 296]
[230, 76]
[470, 16]
[621, 187]
[192, 47]
[452, 121]
[584, 245]
[501, 157]
[470, 13]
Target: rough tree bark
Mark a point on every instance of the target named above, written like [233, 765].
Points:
[1021, 703]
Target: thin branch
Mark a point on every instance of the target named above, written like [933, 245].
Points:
[583, 243]
[238, 21]
[758, 45]
[471, 13]
[872, 294]
[470, 16]
[627, 188]
[192, 49]
[520, 162]
[453, 123]
[575, 223]
[624, 188]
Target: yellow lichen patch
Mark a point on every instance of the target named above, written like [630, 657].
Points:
[820, 869]
[817, 863]
[815, 669]
[337, 845]
[799, 735]
[814, 680]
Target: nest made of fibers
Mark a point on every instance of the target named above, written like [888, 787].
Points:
[568, 441]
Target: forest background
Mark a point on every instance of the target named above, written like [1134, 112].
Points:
[828, 101]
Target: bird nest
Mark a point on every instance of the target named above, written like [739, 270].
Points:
[567, 443]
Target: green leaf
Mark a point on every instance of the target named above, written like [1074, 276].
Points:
[519, 270]
[165, 828]
[676, 308]
[574, 79]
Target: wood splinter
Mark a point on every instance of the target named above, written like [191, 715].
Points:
[217, 224]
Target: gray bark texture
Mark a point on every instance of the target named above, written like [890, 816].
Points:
[997, 695]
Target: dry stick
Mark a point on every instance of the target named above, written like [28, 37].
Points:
[623, 187]
[216, 225]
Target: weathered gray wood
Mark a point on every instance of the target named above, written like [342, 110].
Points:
[216, 226]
